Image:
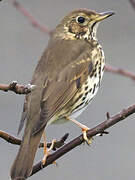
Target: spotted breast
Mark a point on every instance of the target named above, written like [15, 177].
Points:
[90, 87]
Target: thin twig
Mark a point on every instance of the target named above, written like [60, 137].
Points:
[13, 140]
[18, 89]
[79, 140]
[9, 138]
[132, 3]
[120, 71]
[108, 115]
[33, 21]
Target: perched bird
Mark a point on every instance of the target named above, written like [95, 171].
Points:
[67, 78]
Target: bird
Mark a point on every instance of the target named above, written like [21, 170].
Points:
[67, 77]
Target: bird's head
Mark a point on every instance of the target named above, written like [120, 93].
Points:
[81, 24]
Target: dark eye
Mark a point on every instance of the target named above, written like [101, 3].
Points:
[81, 19]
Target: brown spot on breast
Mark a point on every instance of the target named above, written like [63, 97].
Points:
[94, 89]
[86, 93]
[92, 74]
[96, 64]
[79, 105]
[90, 90]
[83, 98]
[86, 88]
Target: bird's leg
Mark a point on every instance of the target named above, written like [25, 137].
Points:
[84, 130]
[46, 150]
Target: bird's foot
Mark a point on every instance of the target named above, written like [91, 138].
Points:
[84, 132]
[47, 151]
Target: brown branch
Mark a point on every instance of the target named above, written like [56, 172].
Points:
[132, 3]
[9, 138]
[120, 71]
[13, 140]
[99, 129]
[18, 89]
[33, 21]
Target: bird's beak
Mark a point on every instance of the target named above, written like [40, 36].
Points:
[104, 15]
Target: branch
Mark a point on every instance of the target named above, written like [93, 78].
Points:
[99, 129]
[33, 21]
[132, 3]
[18, 89]
[13, 140]
[120, 71]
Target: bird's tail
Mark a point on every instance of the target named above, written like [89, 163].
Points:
[22, 166]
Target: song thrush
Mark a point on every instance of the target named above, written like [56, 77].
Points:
[67, 78]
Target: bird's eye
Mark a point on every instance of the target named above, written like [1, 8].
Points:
[80, 19]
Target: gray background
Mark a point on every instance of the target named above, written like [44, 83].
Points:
[109, 157]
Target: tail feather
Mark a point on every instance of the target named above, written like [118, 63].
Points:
[22, 166]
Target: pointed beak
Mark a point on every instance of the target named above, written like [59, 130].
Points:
[104, 15]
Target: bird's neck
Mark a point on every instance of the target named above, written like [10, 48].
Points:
[91, 34]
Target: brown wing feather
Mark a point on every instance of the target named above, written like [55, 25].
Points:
[59, 92]
[24, 114]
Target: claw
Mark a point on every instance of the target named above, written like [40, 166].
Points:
[87, 140]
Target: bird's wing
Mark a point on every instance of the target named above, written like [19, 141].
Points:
[58, 91]
[24, 114]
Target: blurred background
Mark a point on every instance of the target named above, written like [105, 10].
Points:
[109, 157]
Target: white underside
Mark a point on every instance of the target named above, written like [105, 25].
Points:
[78, 113]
